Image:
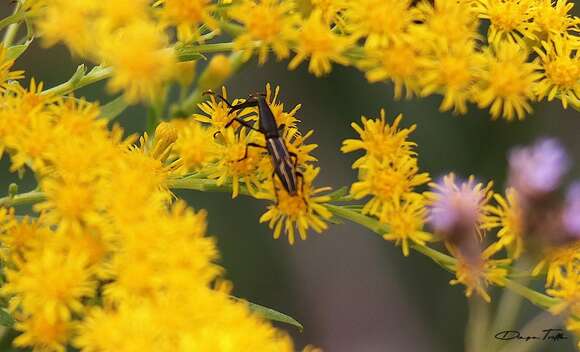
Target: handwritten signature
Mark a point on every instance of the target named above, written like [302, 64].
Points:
[549, 335]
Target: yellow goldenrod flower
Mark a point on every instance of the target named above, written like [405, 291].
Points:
[195, 145]
[451, 72]
[553, 19]
[317, 41]
[568, 290]
[555, 261]
[510, 20]
[506, 82]
[272, 23]
[507, 215]
[70, 22]
[236, 162]
[387, 182]
[378, 21]
[118, 13]
[573, 325]
[479, 272]
[50, 283]
[399, 62]
[303, 211]
[330, 9]
[187, 16]
[140, 60]
[405, 220]
[218, 70]
[217, 113]
[43, 334]
[444, 23]
[561, 72]
[379, 140]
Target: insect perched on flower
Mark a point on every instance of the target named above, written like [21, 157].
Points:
[283, 161]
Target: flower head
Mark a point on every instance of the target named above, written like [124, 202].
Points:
[405, 220]
[508, 215]
[457, 210]
[511, 20]
[537, 170]
[506, 83]
[561, 72]
[317, 41]
[187, 16]
[273, 23]
[302, 211]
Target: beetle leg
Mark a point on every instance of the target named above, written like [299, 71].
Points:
[243, 123]
[209, 92]
[295, 162]
[255, 145]
[300, 176]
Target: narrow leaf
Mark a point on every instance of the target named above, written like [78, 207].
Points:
[14, 52]
[271, 314]
[5, 318]
[114, 108]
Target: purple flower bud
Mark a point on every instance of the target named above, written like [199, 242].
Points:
[457, 207]
[571, 212]
[537, 170]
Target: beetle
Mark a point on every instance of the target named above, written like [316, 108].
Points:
[284, 167]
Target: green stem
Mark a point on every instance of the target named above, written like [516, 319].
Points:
[22, 199]
[12, 29]
[188, 106]
[14, 18]
[477, 324]
[203, 185]
[539, 299]
[95, 75]
[188, 50]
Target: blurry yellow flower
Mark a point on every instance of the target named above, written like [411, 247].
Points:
[405, 220]
[555, 261]
[330, 9]
[561, 72]
[378, 21]
[553, 18]
[317, 41]
[140, 60]
[451, 72]
[399, 62]
[478, 273]
[70, 22]
[195, 145]
[187, 16]
[43, 334]
[50, 284]
[511, 20]
[445, 23]
[303, 211]
[506, 83]
[273, 23]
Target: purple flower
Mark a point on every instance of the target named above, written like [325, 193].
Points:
[571, 212]
[457, 209]
[538, 169]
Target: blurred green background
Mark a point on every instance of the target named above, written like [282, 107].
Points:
[352, 290]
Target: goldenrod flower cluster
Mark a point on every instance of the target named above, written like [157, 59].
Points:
[529, 53]
[236, 155]
[106, 265]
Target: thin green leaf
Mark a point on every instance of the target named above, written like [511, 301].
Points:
[271, 314]
[114, 108]
[14, 52]
[5, 318]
